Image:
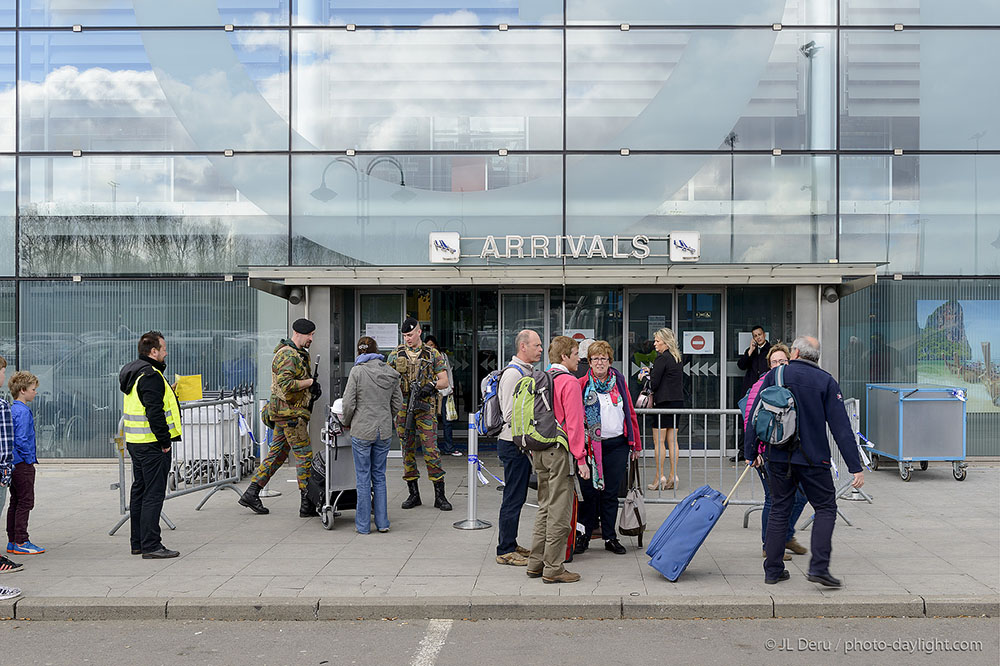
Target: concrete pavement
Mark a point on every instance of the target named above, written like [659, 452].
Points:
[927, 547]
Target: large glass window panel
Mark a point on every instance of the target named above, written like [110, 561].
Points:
[8, 12]
[154, 90]
[7, 209]
[645, 89]
[921, 214]
[76, 337]
[8, 91]
[427, 12]
[380, 210]
[427, 90]
[699, 12]
[943, 332]
[919, 12]
[7, 326]
[747, 208]
[593, 313]
[926, 90]
[156, 13]
[152, 214]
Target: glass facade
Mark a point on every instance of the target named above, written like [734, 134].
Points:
[150, 149]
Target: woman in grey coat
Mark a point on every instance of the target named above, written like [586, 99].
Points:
[371, 399]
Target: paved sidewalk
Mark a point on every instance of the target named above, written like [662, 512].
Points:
[931, 545]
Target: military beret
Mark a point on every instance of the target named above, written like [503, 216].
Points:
[409, 324]
[303, 326]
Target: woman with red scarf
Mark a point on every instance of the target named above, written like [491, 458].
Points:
[612, 437]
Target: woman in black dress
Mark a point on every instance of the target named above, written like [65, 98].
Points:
[668, 393]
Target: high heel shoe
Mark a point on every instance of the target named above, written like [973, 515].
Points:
[663, 483]
[654, 485]
[668, 485]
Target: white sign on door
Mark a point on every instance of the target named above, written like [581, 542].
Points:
[699, 342]
[386, 336]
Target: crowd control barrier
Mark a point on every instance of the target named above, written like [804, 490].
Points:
[217, 449]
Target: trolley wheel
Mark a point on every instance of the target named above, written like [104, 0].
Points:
[958, 471]
[923, 465]
[904, 471]
[874, 463]
[326, 516]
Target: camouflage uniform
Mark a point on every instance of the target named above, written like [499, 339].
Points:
[424, 371]
[289, 409]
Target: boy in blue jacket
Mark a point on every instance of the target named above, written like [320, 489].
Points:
[23, 387]
[6, 467]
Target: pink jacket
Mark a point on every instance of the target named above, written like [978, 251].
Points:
[751, 396]
[569, 412]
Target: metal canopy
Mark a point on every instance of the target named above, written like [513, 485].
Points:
[536, 276]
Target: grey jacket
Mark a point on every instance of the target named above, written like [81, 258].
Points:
[372, 399]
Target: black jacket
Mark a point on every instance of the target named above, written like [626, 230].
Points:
[151, 389]
[755, 366]
[666, 379]
[818, 402]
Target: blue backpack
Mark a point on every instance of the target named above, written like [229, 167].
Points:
[489, 417]
[774, 417]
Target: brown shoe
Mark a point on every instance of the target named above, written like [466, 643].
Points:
[785, 556]
[533, 574]
[522, 551]
[796, 547]
[512, 559]
[564, 577]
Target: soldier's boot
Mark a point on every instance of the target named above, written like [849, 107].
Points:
[440, 501]
[251, 499]
[306, 508]
[414, 498]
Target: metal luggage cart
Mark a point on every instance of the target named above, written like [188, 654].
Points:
[340, 487]
[911, 423]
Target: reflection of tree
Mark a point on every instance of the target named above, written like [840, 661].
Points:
[140, 243]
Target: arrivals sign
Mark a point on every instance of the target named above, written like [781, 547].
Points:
[445, 247]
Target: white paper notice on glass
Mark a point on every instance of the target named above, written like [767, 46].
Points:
[699, 342]
[386, 336]
[746, 337]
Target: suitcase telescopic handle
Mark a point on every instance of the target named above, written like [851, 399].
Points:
[738, 481]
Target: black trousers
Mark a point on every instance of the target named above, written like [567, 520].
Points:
[604, 503]
[817, 484]
[516, 472]
[150, 466]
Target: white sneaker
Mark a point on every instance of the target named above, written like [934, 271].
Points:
[9, 593]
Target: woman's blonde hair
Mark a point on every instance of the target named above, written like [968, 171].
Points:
[778, 347]
[667, 337]
[600, 347]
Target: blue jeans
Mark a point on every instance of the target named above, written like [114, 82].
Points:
[445, 444]
[797, 507]
[516, 471]
[369, 471]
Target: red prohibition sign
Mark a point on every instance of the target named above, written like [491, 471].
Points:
[697, 342]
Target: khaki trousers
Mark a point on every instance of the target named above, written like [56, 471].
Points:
[555, 509]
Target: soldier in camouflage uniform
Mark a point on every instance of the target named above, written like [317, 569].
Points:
[423, 369]
[292, 386]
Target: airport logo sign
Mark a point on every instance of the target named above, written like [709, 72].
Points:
[445, 247]
[685, 246]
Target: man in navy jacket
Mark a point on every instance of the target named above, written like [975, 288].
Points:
[818, 402]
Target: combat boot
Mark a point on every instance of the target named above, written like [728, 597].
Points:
[251, 499]
[414, 498]
[440, 501]
[306, 508]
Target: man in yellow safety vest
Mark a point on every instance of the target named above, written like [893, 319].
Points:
[152, 423]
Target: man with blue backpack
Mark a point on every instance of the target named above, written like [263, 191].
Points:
[791, 417]
[516, 465]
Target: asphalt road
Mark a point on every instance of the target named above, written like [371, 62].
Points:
[968, 641]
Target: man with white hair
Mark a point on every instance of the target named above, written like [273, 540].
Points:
[818, 402]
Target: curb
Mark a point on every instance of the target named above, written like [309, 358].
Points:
[494, 608]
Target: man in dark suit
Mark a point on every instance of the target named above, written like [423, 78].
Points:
[818, 402]
[753, 361]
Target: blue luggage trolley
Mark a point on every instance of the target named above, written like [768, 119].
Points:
[912, 423]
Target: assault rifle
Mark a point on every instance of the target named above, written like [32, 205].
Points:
[315, 389]
[415, 402]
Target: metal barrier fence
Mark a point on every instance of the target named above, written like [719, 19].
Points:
[216, 450]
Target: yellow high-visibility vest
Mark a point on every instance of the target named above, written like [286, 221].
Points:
[137, 430]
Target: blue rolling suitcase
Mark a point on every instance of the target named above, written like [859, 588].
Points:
[685, 529]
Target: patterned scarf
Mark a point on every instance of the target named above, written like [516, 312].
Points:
[592, 419]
